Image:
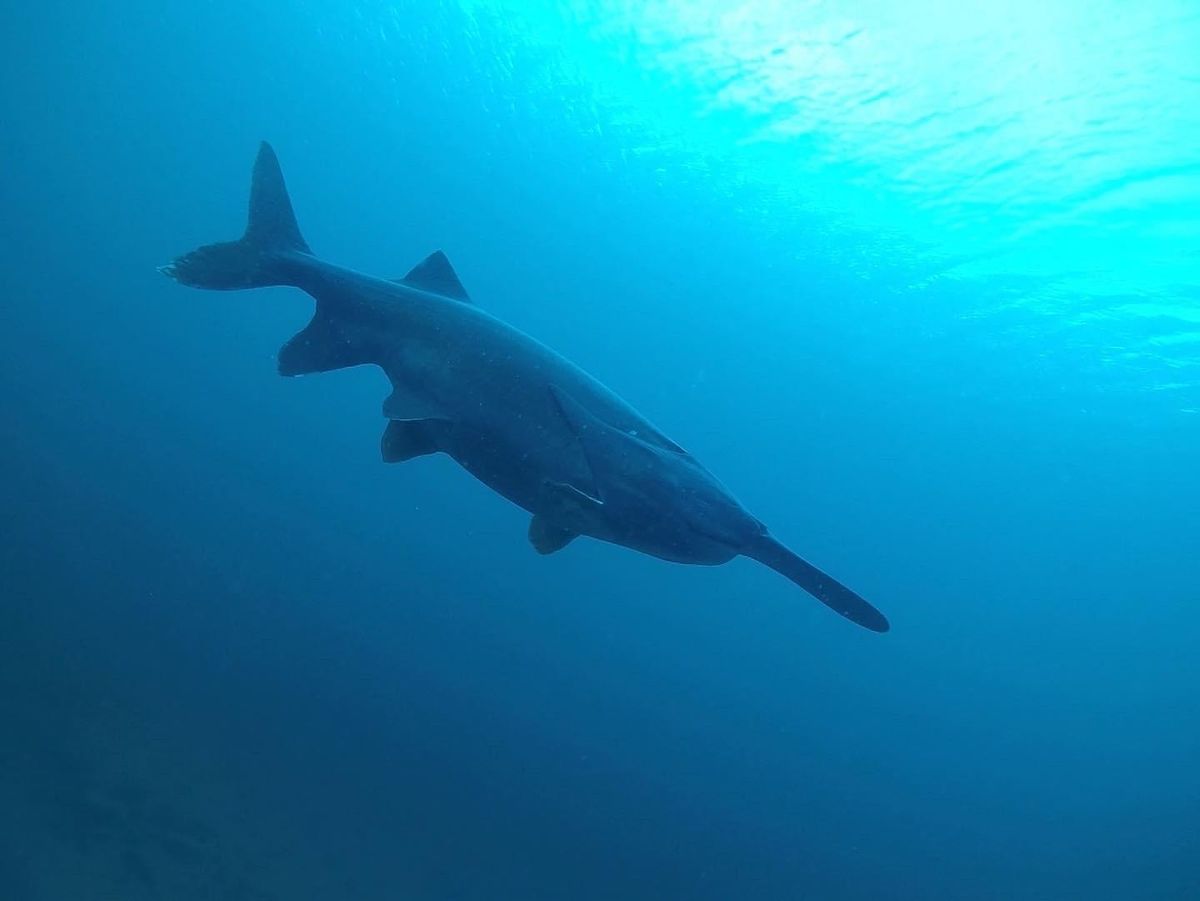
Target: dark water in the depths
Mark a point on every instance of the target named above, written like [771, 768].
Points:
[920, 283]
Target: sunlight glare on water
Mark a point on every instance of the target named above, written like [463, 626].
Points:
[1038, 157]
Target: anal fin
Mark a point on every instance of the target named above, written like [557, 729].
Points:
[319, 347]
[546, 537]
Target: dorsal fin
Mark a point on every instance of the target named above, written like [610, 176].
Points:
[435, 275]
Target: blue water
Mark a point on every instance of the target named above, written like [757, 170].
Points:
[921, 285]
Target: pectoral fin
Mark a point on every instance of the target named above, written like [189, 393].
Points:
[546, 537]
[571, 499]
[569, 508]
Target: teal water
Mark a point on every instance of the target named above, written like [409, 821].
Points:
[920, 284]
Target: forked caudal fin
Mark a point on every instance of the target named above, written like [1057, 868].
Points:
[254, 260]
[826, 589]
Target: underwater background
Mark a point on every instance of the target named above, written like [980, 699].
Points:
[919, 282]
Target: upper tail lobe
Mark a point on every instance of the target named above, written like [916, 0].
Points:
[255, 260]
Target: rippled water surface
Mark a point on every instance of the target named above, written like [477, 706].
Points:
[1029, 168]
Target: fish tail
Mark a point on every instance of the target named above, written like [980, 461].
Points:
[259, 258]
